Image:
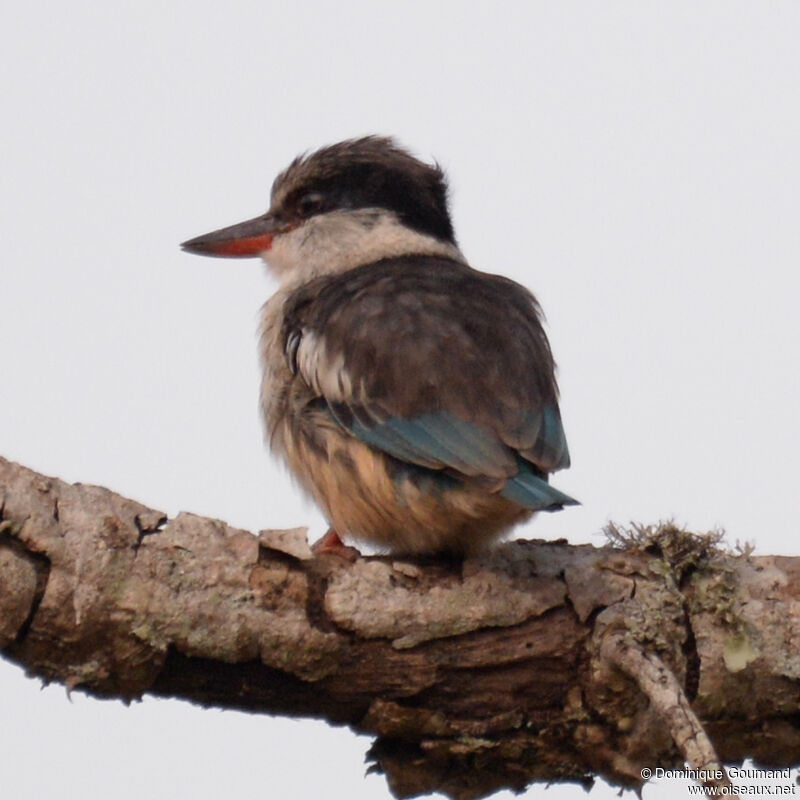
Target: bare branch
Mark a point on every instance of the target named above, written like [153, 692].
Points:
[669, 701]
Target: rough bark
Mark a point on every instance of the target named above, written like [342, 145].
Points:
[537, 662]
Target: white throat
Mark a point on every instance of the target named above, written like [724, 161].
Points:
[341, 240]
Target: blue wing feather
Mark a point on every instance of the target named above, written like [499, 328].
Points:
[441, 440]
[550, 446]
[401, 444]
[438, 441]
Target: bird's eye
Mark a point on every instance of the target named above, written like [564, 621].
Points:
[310, 204]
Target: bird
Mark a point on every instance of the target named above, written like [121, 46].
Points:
[412, 396]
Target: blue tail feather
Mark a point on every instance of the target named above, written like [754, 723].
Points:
[531, 491]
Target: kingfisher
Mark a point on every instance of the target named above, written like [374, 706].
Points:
[412, 396]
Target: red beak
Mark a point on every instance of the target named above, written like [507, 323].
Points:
[244, 240]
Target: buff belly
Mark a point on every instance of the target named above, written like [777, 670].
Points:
[371, 497]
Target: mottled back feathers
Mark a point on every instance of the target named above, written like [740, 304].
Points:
[434, 363]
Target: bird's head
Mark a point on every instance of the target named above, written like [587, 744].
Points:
[345, 205]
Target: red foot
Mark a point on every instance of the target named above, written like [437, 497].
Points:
[331, 542]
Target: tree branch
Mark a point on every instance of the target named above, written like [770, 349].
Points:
[536, 662]
[669, 702]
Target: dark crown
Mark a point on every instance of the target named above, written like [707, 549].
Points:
[372, 172]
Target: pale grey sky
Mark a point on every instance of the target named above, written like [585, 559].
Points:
[635, 163]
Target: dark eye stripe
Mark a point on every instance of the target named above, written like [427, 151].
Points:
[310, 203]
[419, 199]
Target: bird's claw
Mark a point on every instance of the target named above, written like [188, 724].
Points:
[331, 542]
